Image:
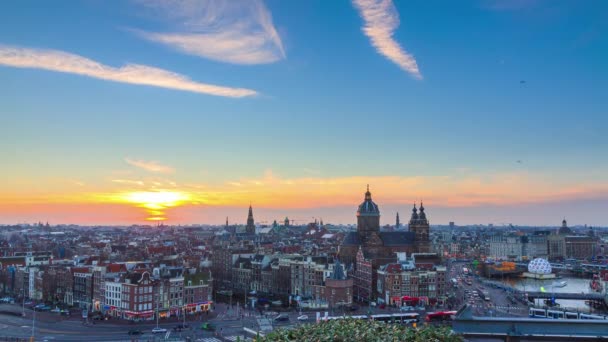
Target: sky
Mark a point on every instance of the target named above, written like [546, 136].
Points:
[187, 112]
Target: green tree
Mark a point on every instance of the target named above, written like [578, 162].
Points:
[349, 330]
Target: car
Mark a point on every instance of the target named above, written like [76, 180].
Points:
[303, 318]
[282, 318]
[135, 332]
[159, 330]
[354, 308]
[407, 308]
[207, 326]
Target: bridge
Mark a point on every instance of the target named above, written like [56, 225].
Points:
[557, 295]
[515, 328]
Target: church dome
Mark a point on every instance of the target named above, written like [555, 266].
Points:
[564, 229]
[368, 207]
[539, 266]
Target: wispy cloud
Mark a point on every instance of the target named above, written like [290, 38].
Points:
[239, 32]
[61, 61]
[150, 166]
[381, 19]
[128, 181]
[509, 5]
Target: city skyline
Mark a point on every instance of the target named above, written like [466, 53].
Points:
[188, 112]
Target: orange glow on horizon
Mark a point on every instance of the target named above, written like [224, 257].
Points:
[157, 198]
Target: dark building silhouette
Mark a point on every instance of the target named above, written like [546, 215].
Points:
[250, 228]
[564, 229]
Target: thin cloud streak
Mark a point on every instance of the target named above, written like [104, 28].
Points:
[60, 61]
[150, 166]
[238, 32]
[381, 19]
[128, 181]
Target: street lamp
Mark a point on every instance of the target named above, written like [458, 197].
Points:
[33, 326]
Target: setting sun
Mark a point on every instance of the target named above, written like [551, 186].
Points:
[155, 202]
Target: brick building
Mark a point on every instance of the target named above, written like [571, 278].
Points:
[138, 302]
[406, 278]
[379, 247]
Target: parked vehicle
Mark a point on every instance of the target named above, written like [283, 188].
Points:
[158, 330]
[282, 318]
[135, 332]
[208, 326]
[303, 318]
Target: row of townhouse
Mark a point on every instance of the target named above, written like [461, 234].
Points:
[280, 275]
[116, 290]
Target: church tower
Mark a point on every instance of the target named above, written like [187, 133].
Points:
[368, 221]
[397, 223]
[250, 228]
[419, 225]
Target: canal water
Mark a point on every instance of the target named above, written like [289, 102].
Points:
[574, 285]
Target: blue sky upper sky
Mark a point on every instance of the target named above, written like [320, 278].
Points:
[463, 99]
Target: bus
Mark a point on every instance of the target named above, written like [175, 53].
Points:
[440, 316]
[409, 317]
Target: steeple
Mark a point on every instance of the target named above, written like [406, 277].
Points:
[397, 223]
[419, 225]
[250, 223]
[421, 214]
[414, 213]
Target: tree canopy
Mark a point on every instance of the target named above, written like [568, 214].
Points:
[349, 330]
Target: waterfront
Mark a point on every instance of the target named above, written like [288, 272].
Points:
[574, 285]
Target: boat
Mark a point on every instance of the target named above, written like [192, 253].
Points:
[560, 284]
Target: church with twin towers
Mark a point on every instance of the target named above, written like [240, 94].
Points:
[380, 247]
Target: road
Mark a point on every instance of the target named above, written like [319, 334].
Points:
[499, 303]
[51, 327]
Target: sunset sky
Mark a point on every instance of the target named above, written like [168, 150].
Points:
[188, 111]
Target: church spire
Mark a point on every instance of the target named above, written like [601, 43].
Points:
[414, 213]
[250, 222]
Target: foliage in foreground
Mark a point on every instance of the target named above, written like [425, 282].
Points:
[349, 330]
